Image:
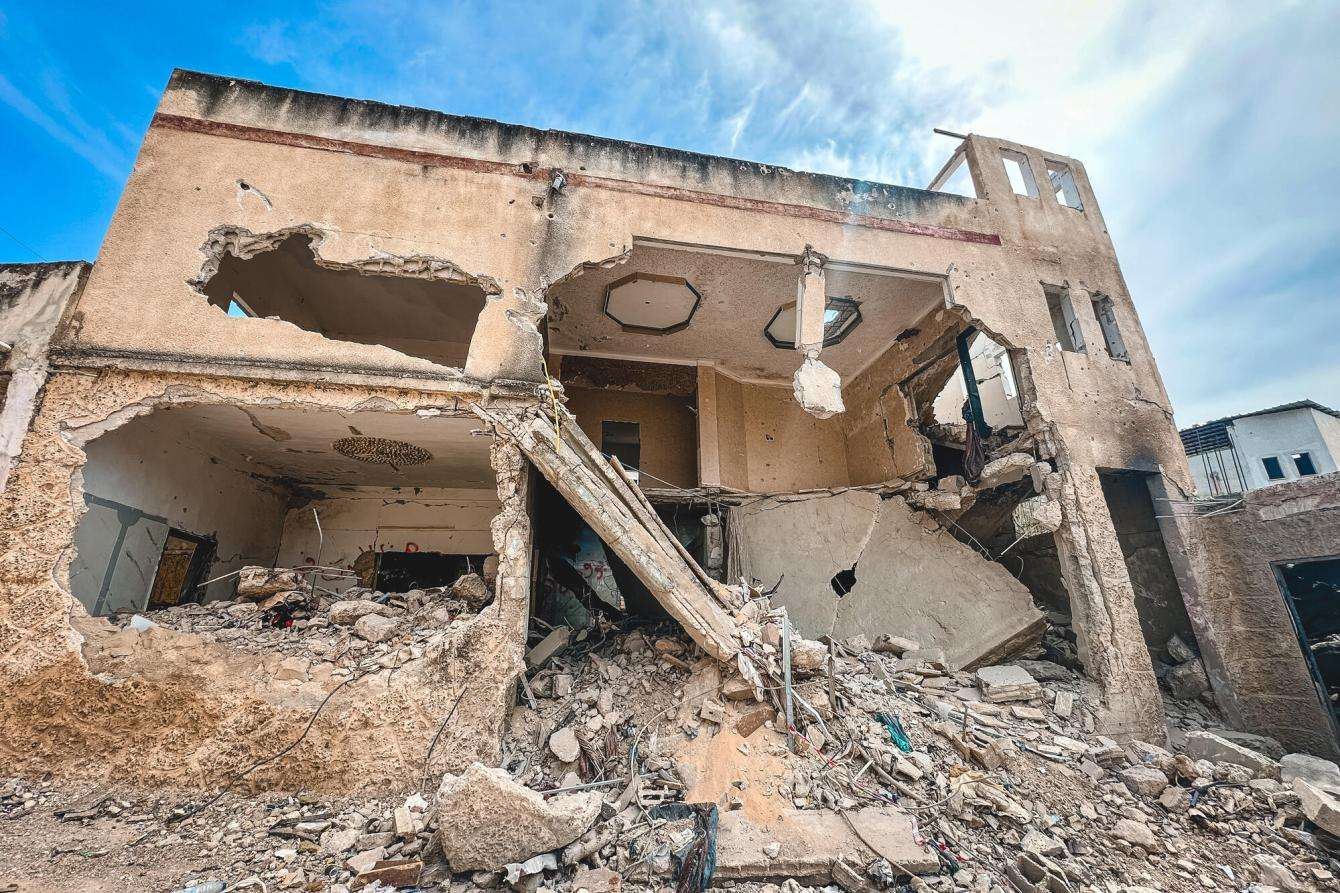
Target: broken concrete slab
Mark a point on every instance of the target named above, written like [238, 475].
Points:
[348, 612]
[1036, 516]
[1257, 742]
[471, 589]
[910, 582]
[1005, 470]
[487, 821]
[1315, 771]
[1000, 684]
[375, 628]
[257, 582]
[818, 389]
[619, 514]
[547, 647]
[1321, 807]
[1208, 746]
[810, 841]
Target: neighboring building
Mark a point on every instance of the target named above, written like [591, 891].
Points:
[340, 335]
[1258, 449]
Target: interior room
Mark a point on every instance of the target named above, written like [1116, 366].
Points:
[187, 494]
[691, 338]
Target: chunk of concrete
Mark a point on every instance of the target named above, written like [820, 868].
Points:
[487, 821]
[1314, 770]
[257, 582]
[1005, 470]
[564, 745]
[1321, 807]
[471, 589]
[818, 389]
[347, 613]
[1036, 516]
[1145, 781]
[375, 628]
[1208, 746]
[550, 645]
[1005, 683]
[1188, 681]
[810, 841]
[1259, 743]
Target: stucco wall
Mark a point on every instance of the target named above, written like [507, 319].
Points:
[668, 430]
[1237, 609]
[1281, 434]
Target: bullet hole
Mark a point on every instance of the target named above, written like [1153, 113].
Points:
[844, 581]
[243, 184]
[551, 215]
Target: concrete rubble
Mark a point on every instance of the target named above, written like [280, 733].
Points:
[639, 748]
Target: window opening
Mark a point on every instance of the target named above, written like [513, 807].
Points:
[1303, 462]
[1020, 173]
[401, 571]
[1064, 323]
[1063, 185]
[238, 308]
[841, 316]
[1274, 470]
[623, 440]
[1105, 312]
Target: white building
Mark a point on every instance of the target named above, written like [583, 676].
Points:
[1257, 449]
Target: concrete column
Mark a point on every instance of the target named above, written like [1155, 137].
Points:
[1102, 604]
[709, 449]
[811, 301]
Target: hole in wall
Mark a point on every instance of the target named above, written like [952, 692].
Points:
[418, 306]
[844, 581]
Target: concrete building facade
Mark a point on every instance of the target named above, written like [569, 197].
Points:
[318, 333]
[1264, 448]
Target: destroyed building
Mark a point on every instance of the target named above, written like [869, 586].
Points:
[335, 349]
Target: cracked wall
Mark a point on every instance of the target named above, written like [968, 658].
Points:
[912, 578]
[84, 698]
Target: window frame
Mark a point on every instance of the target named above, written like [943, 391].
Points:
[1105, 314]
[1064, 186]
[849, 318]
[1026, 177]
[1279, 466]
[1065, 322]
[1305, 455]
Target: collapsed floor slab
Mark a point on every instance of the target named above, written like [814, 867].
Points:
[902, 579]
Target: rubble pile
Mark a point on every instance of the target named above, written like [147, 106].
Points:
[346, 628]
[633, 760]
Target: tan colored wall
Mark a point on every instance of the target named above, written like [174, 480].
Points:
[1238, 611]
[668, 429]
[73, 690]
[374, 180]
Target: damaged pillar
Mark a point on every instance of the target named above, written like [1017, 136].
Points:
[818, 389]
[1102, 605]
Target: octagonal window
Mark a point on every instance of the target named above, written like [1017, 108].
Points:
[841, 315]
[651, 304]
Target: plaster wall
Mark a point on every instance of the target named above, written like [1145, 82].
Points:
[176, 486]
[732, 453]
[1281, 434]
[1329, 426]
[74, 690]
[33, 299]
[910, 581]
[668, 430]
[376, 181]
[1247, 637]
[355, 520]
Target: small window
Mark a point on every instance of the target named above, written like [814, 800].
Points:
[1063, 185]
[1020, 173]
[238, 308]
[1105, 312]
[1274, 470]
[1068, 333]
[841, 315]
[1303, 462]
[623, 440]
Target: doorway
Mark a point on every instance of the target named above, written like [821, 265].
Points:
[1311, 590]
[181, 566]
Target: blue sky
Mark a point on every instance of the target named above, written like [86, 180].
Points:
[1211, 131]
